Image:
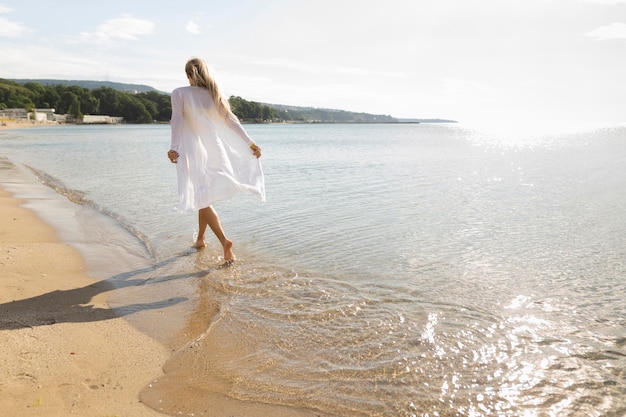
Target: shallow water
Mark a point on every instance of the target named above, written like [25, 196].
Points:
[395, 270]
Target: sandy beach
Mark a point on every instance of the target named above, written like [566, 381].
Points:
[22, 124]
[62, 350]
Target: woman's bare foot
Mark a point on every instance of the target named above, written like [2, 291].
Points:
[229, 256]
[200, 243]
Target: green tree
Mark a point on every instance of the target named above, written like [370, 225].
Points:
[50, 99]
[162, 109]
[13, 95]
[68, 99]
[109, 100]
[38, 90]
[133, 110]
[251, 111]
[75, 107]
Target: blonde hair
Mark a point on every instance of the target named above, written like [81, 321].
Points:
[200, 76]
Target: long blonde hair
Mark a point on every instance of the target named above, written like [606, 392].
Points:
[200, 76]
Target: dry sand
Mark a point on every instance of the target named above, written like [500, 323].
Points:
[62, 351]
[13, 124]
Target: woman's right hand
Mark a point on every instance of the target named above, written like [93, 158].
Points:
[173, 156]
[256, 150]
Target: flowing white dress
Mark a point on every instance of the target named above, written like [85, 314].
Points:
[215, 161]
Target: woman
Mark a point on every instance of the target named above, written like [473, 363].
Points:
[214, 155]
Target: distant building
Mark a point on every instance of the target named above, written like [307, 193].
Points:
[22, 115]
[43, 115]
[49, 116]
[14, 114]
[101, 119]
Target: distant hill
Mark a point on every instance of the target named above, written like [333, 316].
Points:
[316, 115]
[426, 121]
[313, 115]
[294, 114]
[127, 88]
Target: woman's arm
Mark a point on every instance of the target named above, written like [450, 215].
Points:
[233, 122]
[177, 119]
[176, 125]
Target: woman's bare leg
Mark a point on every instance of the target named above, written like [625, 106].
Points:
[208, 216]
[202, 224]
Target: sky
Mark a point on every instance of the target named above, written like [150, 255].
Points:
[513, 61]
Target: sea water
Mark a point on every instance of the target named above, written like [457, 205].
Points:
[395, 270]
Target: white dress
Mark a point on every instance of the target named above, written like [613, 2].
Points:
[215, 160]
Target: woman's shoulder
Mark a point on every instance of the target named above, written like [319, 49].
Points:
[181, 90]
[190, 90]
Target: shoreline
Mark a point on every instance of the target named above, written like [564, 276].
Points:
[62, 349]
[32, 124]
[70, 345]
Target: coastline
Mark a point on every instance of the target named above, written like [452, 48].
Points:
[66, 347]
[62, 350]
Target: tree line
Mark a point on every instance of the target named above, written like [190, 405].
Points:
[144, 107]
[153, 106]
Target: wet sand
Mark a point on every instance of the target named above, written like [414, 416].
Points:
[62, 350]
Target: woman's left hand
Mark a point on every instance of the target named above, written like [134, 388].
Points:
[173, 156]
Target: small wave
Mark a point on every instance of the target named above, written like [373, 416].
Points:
[80, 198]
[75, 196]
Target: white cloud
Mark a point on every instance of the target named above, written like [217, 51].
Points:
[11, 29]
[192, 27]
[125, 27]
[612, 31]
[52, 63]
[8, 28]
